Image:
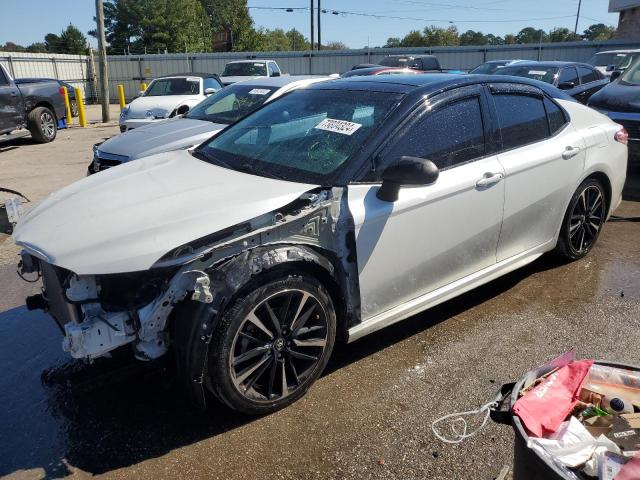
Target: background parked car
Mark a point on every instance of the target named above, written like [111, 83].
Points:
[579, 80]
[36, 106]
[492, 66]
[240, 70]
[419, 62]
[166, 97]
[607, 62]
[70, 90]
[364, 65]
[620, 101]
[201, 122]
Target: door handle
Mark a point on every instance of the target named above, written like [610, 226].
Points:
[489, 179]
[570, 152]
[14, 93]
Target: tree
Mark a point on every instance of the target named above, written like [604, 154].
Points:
[438, 36]
[510, 39]
[393, 42]
[73, 41]
[334, 45]
[599, 31]
[234, 16]
[12, 47]
[561, 34]
[531, 35]
[297, 40]
[38, 47]
[473, 38]
[495, 40]
[413, 39]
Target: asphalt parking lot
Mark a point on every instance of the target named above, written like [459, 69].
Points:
[368, 416]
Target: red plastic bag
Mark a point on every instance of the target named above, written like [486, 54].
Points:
[630, 470]
[545, 407]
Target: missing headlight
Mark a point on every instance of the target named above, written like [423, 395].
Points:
[134, 290]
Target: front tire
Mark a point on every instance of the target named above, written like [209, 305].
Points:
[583, 220]
[272, 343]
[42, 124]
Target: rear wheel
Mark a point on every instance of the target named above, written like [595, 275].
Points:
[42, 124]
[583, 220]
[74, 108]
[272, 344]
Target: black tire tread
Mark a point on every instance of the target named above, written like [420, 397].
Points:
[33, 125]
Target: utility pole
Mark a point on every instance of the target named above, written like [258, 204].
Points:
[577, 16]
[311, 10]
[102, 53]
[319, 13]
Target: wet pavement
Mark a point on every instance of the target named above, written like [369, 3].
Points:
[368, 416]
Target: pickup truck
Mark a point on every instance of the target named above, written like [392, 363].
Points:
[29, 108]
[240, 70]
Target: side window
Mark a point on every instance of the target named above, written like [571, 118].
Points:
[212, 83]
[522, 119]
[555, 116]
[568, 74]
[3, 78]
[450, 135]
[587, 75]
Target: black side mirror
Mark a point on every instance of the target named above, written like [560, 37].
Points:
[275, 74]
[615, 75]
[566, 85]
[610, 68]
[407, 171]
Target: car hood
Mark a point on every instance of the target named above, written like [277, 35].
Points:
[166, 135]
[239, 78]
[125, 219]
[159, 106]
[617, 97]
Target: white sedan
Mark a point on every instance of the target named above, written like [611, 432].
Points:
[328, 214]
[166, 97]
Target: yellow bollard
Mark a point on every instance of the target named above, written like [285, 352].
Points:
[79, 100]
[143, 87]
[121, 96]
[67, 105]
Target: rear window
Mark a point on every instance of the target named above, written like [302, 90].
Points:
[522, 119]
[395, 61]
[544, 74]
[245, 69]
[556, 117]
[232, 103]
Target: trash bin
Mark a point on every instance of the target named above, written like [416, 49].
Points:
[5, 226]
[528, 464]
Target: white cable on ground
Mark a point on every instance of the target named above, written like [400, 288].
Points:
[463, 435]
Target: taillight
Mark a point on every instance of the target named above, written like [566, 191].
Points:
[61, 91]
[621, 136]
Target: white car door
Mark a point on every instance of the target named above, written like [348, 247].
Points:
[543, 159]
[436, 234]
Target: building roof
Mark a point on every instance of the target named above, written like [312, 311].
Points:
[620, 5]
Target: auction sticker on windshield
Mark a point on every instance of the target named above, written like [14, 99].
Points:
[537, 72]
[338, 126]
[259, 91]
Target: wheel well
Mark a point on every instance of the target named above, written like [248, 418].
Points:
[606, 183]
[46, 105]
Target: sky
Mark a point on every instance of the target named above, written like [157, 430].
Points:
[28, 21]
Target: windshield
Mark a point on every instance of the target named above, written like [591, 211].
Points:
[618, 60]
[173, 86]
[632, 75]
[231, 104]
[306, 136]
[544, 74]
[244, 69]
[489, 68]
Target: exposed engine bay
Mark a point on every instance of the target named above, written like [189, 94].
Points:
[99, 313]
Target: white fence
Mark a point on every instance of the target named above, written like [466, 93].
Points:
[132, 70]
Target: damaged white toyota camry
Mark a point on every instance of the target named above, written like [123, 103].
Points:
[330, 213]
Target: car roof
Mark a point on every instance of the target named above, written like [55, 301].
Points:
[632, 50]
[191, 74]
[280, 81]
[429, 83]
[550, 64]
[407, 55]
